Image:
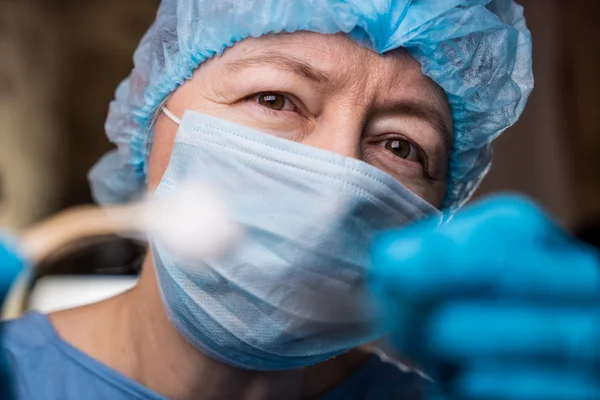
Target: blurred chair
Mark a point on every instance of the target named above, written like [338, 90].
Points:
[55, 293]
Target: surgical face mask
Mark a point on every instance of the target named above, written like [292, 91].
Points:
[292, 292]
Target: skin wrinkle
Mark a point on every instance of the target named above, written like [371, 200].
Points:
[297, 66]
[424, 112]
[282, 61]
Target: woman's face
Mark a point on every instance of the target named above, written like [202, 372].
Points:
[324, 91]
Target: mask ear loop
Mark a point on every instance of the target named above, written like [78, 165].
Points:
[170, 115]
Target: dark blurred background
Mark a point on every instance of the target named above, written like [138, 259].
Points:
[61, 60]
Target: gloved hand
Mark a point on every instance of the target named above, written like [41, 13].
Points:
[10, 267]
[498, 303]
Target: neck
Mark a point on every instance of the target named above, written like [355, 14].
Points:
[153, 353]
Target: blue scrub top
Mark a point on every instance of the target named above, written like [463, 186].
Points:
[43, 366]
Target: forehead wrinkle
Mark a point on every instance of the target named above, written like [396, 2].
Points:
[282, 61]
[335, 56]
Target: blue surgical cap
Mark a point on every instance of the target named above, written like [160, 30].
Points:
[477, 51]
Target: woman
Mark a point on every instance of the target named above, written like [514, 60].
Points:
[362, 116]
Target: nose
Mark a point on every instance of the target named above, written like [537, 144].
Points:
[340, 134]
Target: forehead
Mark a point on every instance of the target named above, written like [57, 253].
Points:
[395, 74]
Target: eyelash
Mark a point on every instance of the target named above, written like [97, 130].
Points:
[421, 155]
[287, 97]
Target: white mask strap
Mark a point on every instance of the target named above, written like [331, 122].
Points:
[171, 116]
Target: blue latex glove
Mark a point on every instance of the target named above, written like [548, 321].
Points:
[499, 303]
[10, 267]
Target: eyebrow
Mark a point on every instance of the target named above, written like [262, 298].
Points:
[424, 112]
[286, 62]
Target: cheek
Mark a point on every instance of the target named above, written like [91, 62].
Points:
[160, 154]
[432, 192]
[436, 195]
[409, 175]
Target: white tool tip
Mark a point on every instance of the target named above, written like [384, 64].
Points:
[193, 222]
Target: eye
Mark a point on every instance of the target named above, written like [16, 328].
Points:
[275, 101]
[403, 149]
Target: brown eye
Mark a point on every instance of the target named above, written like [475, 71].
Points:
[402, 149]
[274, 101]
